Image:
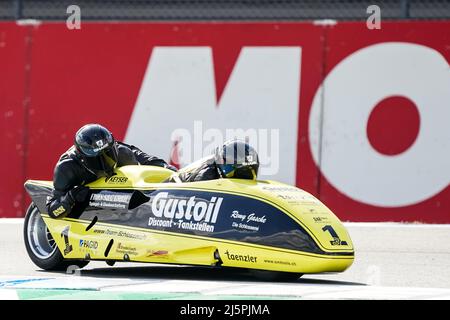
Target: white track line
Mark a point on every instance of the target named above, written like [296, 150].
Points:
[11, 220]
[219, 288]
[8, 294]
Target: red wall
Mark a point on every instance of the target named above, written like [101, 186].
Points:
[53, 80]
[14, 85]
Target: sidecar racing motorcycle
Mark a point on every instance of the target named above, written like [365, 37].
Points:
[277, 231]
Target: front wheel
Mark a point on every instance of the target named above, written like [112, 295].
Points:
[41, 246]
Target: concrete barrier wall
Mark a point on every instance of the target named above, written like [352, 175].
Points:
[357, 117]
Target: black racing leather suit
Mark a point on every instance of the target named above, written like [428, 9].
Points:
[204, 169]
[70, 173]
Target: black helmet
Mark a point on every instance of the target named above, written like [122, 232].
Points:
[237, 159]
[96, 149]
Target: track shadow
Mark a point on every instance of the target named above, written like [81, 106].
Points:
[191, 273]
[328, 282]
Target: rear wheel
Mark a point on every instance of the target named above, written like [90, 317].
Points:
[41, 246]
[266, 275]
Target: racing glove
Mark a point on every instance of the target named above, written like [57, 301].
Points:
[60, 206]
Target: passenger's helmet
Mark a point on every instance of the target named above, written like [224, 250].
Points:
[237, 159]
[96, 149]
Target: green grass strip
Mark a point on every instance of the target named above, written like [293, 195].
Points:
[58, 294]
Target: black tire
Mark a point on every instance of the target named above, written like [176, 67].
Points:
[50, 257]
[275, 276]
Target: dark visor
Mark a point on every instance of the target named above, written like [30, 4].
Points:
[104, 162]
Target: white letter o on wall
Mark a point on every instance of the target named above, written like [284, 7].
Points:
[346, 98]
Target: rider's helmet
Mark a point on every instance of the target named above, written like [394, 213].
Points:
[237, 159]
[97, 149]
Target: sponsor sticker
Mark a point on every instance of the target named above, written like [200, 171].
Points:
[88, 245]
[192, 213]
[287, 263]
[280, 188]
[110, 200]
[248, 222]
[59, 211]
[240, 257]
[320, 219]
[157, 253]
[116, 180]
[123, 234]
[299, 198]
[126, 249]
[292, 195]
[100, 146]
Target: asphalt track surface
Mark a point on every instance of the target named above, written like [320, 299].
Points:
[393, 261]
